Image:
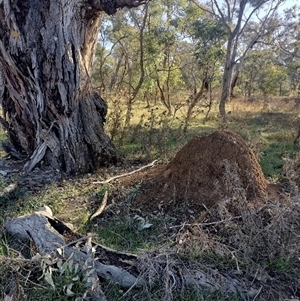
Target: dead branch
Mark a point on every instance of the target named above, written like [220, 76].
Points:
[53, 237]
[47, 233]
[101, 207]
[126, 174]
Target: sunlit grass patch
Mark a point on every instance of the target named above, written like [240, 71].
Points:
[2, 138]
[2, 135]
[272, 159]
[276, 145]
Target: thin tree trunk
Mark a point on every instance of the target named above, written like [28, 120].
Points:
[135, 90]
[225, 96]
[210, 103]
[194, 100]
[234, 82]
[231, 54]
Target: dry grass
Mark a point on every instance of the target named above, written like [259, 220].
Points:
[253, 248]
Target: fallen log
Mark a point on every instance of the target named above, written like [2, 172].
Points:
[52, 236]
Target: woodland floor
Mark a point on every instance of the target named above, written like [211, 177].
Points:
[211, 205]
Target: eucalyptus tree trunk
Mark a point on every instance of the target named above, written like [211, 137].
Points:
[231, 54]
[226, 85]
[50, 113]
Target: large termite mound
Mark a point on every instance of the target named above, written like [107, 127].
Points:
[206, 171]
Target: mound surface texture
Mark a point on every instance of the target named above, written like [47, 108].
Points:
[205, 171]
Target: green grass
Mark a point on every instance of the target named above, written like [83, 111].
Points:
[272, 158]
[276, 146]
[282, 264]
[2, 136]
[16, 202]
[124, 234]
[210, 258]
[271, 135]
[154, 293]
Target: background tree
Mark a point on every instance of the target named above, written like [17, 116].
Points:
[174, 67]
[50, 112]
[272, 66]
[181, 59]
[287, 46]
[235, 16]
[210, 36]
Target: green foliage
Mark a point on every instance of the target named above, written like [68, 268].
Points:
[66, 278]
[271, 79]
[211, 36]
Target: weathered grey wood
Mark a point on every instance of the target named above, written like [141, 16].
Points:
[37, 228]
[47, 234]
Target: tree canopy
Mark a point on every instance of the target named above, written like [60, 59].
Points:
[175, 52]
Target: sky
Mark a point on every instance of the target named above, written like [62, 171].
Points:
[290, 3]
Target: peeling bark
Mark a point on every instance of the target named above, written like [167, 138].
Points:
[49, 111]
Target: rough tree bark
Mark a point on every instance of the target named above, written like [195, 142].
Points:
[50, 113]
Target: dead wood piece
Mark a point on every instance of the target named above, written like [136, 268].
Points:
[37, 228]
[107, 272]
[47, 234]
[101, 207]
[126, 174]
[213, 281]
[126, 270]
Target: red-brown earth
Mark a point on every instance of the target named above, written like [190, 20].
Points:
[205, 172]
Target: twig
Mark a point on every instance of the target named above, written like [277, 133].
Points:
[78, 240]
[206, 224]
[128, 291]
[101, 207]
[8, 249]
[126, 174]
[5, 258]
[257, 293]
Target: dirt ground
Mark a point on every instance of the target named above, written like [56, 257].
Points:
[205, 172]
[210, 181]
